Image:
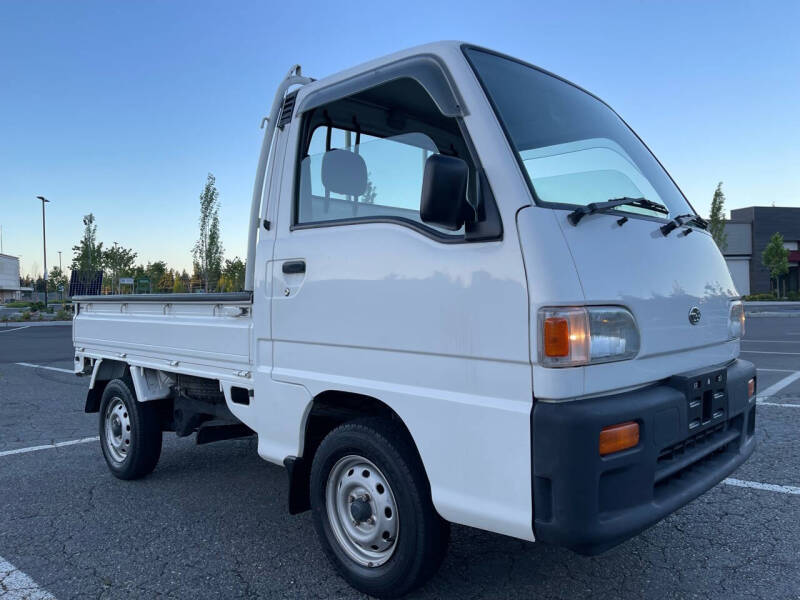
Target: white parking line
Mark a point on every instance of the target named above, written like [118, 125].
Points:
[49, 446]
[773, 341]
[770, 487]
[769, 352]
[777, 387]
[23, 364]
[15, 585]
[776, 370]
[14, 329]
[784, 405]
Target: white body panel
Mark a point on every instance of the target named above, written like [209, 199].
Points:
[444, 334]
[197, 337]
[381, 312]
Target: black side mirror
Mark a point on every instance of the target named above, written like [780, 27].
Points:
[444, 192]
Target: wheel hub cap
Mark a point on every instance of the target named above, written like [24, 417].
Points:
[116, 426]
[360, 510]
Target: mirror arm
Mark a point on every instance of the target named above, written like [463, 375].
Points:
[488, 225]
[479, 213]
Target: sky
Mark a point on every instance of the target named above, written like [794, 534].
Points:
[122, 108]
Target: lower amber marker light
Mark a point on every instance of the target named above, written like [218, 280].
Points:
[621, 436]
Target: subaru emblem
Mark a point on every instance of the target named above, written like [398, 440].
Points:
[694, 315]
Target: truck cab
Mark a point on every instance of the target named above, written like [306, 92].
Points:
[473, 296]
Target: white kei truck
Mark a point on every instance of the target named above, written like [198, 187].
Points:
[473, 296]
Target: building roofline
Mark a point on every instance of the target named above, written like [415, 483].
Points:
[759, 206]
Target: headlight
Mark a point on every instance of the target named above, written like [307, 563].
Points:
[586, 335]
[736, 321]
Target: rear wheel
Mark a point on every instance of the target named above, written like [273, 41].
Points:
[130, 431]
[372, 509]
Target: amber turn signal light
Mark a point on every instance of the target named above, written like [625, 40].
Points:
[618, 437]
[751, 388]
[556, 337]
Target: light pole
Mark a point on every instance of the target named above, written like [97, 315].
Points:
[44, 245]
[59, 260]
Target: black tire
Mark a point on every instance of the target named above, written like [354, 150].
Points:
[422, 536]
[142, 447]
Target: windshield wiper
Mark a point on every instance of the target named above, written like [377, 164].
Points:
[680, 220]
[576, 215]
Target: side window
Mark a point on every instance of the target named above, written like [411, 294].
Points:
[364, 158]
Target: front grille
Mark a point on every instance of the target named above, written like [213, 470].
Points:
[695, 441]
[679, 460]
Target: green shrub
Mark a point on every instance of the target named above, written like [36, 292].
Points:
[794, 296]
[63, 315]
[17, 304]
[760, 297]
[26, 316]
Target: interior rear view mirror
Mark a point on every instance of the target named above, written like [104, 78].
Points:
[444, 192]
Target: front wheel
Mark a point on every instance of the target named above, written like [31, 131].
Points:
[372, 509]
[130, 432]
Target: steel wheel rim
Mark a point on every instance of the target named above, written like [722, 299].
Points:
[362, 511]
[117, 423]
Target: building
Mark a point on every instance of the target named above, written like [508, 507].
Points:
[9, 278]
[749, 231]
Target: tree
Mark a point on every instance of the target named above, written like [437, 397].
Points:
[776, 258]
[196, 280]
[139, 273]
[233, 272]
[155, 271]
[178, 286]
[208, 249]
[55, 279]
[88, 253]
[716, 220]
[167, 281]
[181, 282]
[224, 284]
[118, 260]
[370, 192]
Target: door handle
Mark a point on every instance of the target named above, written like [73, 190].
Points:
[294, 266]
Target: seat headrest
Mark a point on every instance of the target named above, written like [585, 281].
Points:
[344, 172]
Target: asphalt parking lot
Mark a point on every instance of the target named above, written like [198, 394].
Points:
[211, 521]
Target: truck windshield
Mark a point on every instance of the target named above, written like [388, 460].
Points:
[575, 149]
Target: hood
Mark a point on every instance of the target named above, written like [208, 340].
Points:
[660, 279]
